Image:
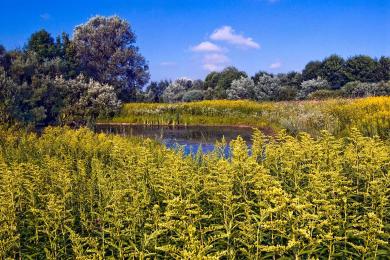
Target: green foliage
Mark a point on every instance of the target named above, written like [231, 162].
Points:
[105, 48]
[362, 68]
[311, 70]
[193, 95]
[325, 94]
[332, 70]
[362, 89]
[42, 43]
[78, 195]
[220, 82]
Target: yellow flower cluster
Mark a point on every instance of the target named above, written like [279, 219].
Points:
[78, 195]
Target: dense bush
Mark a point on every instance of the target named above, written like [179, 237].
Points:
[193, 95]
[360, 89]
[242, 88]
[325, 94]
[78, 195]
[310, 86]
[266, 88]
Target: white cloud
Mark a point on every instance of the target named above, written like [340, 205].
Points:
[212, 67]
[207, 47]
[215, 58]
[227, 33]
[45, 16]
[215, 61]
[168, 63]
[275, 65]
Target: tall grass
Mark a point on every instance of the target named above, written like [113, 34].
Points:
[78, 195]
[370, 115]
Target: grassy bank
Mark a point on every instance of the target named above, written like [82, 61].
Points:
[78, 195]
[370, 115]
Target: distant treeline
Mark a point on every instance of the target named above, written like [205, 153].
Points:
[332, 77]
[77, 79]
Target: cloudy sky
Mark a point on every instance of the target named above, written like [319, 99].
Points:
[192, 37]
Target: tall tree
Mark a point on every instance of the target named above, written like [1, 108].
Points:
[42, 43]
[155, 90]
[106, 52]
[332, 71]
[361, 68]
[5, 60]
[383, 68]
[226, 77]
[259, 76]
[211, 80]
[311, 70]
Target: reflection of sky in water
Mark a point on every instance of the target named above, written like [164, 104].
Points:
[193, 148]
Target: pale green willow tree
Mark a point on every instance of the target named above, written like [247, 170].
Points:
[310, 86]
[267, 88]
[105, 48]
[87, 100]
[176, 90]
[241, 89]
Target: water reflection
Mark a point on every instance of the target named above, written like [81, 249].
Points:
[190, 138]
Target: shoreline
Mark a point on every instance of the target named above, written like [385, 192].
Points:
[265, 129]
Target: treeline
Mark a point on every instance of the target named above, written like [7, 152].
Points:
[75, 80]
[358, 76]
[72, 80]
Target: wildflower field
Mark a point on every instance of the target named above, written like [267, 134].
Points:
[370, 115]
[74, 194]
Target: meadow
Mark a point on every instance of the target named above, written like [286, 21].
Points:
[74, 194]
[371, 116]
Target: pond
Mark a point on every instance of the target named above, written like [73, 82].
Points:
[190, 138]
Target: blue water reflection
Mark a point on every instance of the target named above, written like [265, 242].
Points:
[190, 139]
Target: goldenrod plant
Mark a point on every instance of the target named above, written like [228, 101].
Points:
[73, 194]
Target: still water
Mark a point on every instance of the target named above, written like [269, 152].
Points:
[190, 138]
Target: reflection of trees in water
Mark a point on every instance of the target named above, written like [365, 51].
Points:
[193, 134]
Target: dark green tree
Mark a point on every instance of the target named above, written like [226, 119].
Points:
[311, 70]
[332, 71]
[293, 79]
[383, 69]
[226, 77]
[5, 59]
[362, 68]
[259, 75]
[155, 90]
[211, 80]
[42, 43]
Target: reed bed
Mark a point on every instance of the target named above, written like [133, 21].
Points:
[370, 115]
[78, 195]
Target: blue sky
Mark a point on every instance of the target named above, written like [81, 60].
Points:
[190, 37]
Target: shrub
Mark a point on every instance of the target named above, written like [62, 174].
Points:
[241, 89]
[193, 95]
[266, 88]
[325, 94]
[310, 86]
[362, 89]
